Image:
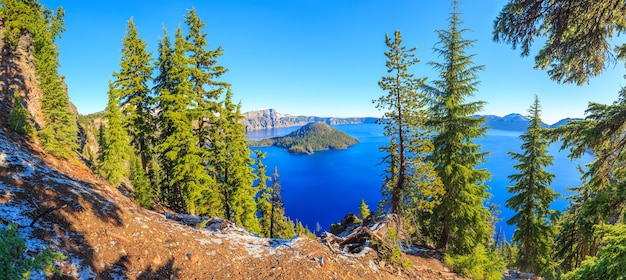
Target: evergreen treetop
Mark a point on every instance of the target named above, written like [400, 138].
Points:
[531, 198]
[462, 220]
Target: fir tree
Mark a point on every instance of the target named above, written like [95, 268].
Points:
[132, 84]
[410, 181]
[461, 221]
[235, 175]
[116, 152]
[101, 143]
[364, 210]
[185, 180]
[264, 198]
[19, 118]
[204, 71]
[531, 198]
[142, 193]
[280, 225]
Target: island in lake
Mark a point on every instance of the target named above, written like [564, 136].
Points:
[317, 136]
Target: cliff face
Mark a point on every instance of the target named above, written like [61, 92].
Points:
[17, 74]
[269, 119]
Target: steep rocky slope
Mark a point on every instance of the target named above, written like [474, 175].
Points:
[62, 205]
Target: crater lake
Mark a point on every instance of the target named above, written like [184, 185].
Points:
[320, 189]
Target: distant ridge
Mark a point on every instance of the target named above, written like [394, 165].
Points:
[271, 119]
[517, 122]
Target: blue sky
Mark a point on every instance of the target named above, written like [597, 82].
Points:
[315, 57]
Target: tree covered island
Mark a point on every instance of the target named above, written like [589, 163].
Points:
[316, 136]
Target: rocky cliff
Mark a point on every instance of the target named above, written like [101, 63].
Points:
[270, 119]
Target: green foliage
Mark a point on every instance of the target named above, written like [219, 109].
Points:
[531, 198]
[364, 210]
[310, 138]
[131, 84]
[410, 185]
[390, 251]
[59, 130]
[602, 197]
[274, 223]
[116, 152]
[578, 33]
[478, 264]
[461, 222]
[142, 193]
[184, 186]
[15, 263]
[302, 230]
[19, 118]
[609, 261]
[508, 252]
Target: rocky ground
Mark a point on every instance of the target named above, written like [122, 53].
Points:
[61, 205]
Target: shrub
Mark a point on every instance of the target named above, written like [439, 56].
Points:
[15, 264]
[480, 264]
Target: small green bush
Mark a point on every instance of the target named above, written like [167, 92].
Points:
[480, 264]
[15, 264]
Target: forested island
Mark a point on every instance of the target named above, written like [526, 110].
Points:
[316, 136]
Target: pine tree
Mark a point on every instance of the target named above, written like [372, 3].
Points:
[101, 144]
[264, 198]
[364, 210]
[204, 71]
[461, 221]
[185, 180]
[410, 180]
[142, 193]
[531, 198]
[19, 118]
[132, 84]
[116, 152]
[236, 176]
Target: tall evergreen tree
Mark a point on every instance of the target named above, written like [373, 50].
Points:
[410, 181]
[461, 221]
[204, 72]
[185, 179]
[132, 84]
[531, 198]
[142, 193]
[264, 198]
[232, 166]
[116, 151]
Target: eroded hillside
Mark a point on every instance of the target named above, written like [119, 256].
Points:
[61, 205]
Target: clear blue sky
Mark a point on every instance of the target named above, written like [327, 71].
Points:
[315, 57]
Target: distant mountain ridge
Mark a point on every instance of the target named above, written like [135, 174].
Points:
[271, 119]
[516, 122]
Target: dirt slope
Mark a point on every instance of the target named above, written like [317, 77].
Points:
[62, 205]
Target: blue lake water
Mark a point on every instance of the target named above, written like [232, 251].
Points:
[323, 187]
